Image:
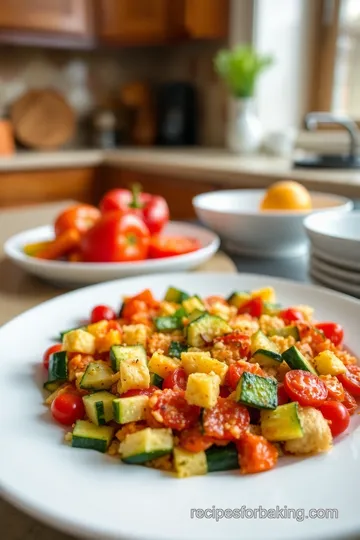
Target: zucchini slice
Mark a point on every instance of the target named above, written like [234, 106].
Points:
[271, 309]
[98, 376]
[205, 328]
[58, 370]
[87, 435]
[175, 295]
[286, 331]
[296, 360]
[239, 298]
[255, 391]
[146, 444]
[156, 380]
[51, 386]
[193, 304]
[130, 409]
[222, 458]
[176, 348]
[127, 353]
[282, 424]
[168, 323]
[99, 408]
[264, 351]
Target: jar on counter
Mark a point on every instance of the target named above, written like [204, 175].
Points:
[105, 129]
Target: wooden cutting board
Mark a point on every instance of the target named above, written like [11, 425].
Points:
[42, 119]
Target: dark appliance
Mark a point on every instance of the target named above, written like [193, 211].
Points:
[177, 115]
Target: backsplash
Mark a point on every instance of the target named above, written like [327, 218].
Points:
[93, 78]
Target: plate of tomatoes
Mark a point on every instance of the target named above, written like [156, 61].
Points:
[128, 234]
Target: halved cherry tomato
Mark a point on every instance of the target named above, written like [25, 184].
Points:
[332, 331]
[51, 350]
[227, 420]
[171, 246]
[236, 338]
[67, 408]
[224, 391]
[256, 454]
[254, 307]
[291, 315]
[140, 392]
[80, 217]
[351, 380]
[193, 440]
[237, 369]
[177, 380]
[335, 388]
[101, 313]
[282, 395]
[305, 387]
[350, 402]
[170, 408]
[337, 415]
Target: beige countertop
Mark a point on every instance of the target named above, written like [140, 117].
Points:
[216, 165]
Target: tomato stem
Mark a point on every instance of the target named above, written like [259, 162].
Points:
[136, 190]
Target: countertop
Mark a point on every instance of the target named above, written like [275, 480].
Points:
[216, 165]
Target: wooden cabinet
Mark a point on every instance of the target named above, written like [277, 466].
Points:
[206, 19]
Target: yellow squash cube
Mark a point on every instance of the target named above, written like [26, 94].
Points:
[135, 334]
[201, 362]
[189, 463]
[162, 365]
[133, 375]
[202, 389]
[327, 363]
[192, 304]
[98, 329]
[79, 341]
[267, 294]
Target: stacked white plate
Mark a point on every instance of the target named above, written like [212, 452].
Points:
[335, 250]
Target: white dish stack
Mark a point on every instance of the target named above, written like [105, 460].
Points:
[335, 250]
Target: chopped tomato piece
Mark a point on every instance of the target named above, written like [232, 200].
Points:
[282, 395]
[349, 402]
[224, 391]
[170, 408]
[193, 440]
[140, 392]
[256, 454]
[168, 246]
[236, 338]
[337, 416]
[254, 307]
[214, 299]
[334, 387]
[305, 387]
[291, 315]
[227, 420]
[237, 369]
[332, 331]
[351, 380]
[177, 380]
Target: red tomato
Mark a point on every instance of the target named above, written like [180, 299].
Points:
[256, 454]
[140, 392]
[236, 338]
[335, 388]
[101, 313]
[171, 246]
[226, 420]
[193, 440]
[305, 387]
[332, 331]
[67, 408]
[337, 415]
[291, 315]
[237, 369]
[351, 380]
[224, 391]
[254, 307]
[349, 402]
[51, 350]
[116, 238]
[282, 395]
[80, 217]
[177, 380]
[171, 409]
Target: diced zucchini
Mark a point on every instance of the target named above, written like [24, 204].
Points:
[222, 458]
[58, 370]
[202, 389]
[239, 298]
[193, 304]
[129, 409]
[282, 424]
[189, 463]
[327, 363]
[286, 331]
[255, 391]
[168, 323]
[175, 295]
[97, 376]
[87, 435]
[146, 444]
[162, 365]
[180, 313]
[264, 351]
[176, 348]
[194, 315]
[205, 328]
[201, 362]
[271, 309]
[156, 380]
[296, 360]
[62, 334]
[98, 407]
[51, 386]
[127, 353]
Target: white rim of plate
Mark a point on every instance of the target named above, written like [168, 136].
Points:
[335, 272]
[331, 258]
[334, 284]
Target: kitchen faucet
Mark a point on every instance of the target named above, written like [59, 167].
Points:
[314, 119]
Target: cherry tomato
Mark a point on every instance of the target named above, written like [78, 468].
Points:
[116, 238]
[254, 307]
[351, 380]
[227, 420]
[80, 217]
[177, 380]
[171, 246]
[51, 350]
[237, 369]
[256, 454]
[305, 387]
[140, 392]
[291, 315]
[101, 313]
[193, 440]
[337, 415]
[349, 402]
[67, 408]
[335, 388]
[236, 338]
[170, 408]
[224, 391]
[282, 395]
[332, 331]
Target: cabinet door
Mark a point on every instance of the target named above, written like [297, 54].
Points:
[207, 18]
[133, 21]
[60, 16]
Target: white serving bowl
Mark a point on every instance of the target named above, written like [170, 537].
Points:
[337, 234]
[235, 215]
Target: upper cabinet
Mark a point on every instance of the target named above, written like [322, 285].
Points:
[205, 19]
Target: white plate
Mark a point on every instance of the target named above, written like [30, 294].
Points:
[335, 260]
[87, 493]
[346, 276]
[333, 282]
[78, 274]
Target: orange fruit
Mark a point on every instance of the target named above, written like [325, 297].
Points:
[286, 195]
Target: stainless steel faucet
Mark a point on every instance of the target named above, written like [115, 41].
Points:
[313, 119]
